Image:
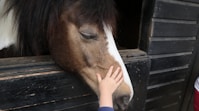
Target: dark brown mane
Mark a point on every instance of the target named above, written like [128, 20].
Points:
[36, 19]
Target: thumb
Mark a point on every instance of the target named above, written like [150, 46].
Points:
[99, 78]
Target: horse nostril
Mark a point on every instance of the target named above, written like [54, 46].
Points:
[126, 99]
[122, 102]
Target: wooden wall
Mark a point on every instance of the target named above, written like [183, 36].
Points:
[38, 84]
[169, 36]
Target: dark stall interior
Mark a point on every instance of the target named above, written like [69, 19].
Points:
[128, 27]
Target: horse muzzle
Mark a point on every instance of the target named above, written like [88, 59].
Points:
[121, 103]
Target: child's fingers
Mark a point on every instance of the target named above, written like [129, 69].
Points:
[120, 80]
[99, 78]
[119, 76]
[109, 71]
[114, 75]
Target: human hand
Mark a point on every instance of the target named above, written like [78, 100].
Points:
[108, 85]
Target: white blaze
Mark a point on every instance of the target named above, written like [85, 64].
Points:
[114, 52]
[8, 33]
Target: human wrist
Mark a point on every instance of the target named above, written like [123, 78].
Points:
[106, 100]
[106, 92]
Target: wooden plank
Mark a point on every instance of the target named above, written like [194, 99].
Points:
[194, 73]
[159, 90]
[167, 47]
[167, 76]
[173, 28]
[161, 62]
[171, 107]
[163, 101]
[192, 1]
[32, 82]
[191, 103]
[139, 72]
[24, 60]
[41, 90]
[73, 105]
[171, 9]
[147, 13]
[36, 83]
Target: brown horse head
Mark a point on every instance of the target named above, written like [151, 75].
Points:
[84, 43]
[79, 36]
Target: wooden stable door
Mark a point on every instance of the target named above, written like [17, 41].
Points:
[170, 33]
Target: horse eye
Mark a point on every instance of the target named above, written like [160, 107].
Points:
[88, 35]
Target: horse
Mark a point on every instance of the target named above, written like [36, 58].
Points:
[78, 34]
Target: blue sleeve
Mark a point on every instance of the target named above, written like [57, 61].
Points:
[105, 109]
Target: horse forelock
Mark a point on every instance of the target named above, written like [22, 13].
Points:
[95, 12]
[99, 11]
[37, 19]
